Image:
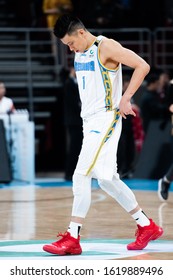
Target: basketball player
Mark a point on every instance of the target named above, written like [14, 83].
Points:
[98, 63]
[164, 184]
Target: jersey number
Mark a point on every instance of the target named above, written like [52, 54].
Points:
[83, 79]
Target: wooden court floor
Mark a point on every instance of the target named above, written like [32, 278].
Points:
[39, 213]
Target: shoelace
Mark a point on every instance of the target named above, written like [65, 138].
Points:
[139, 234]
[64, 236]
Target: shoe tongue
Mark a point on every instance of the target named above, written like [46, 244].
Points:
[139, 227]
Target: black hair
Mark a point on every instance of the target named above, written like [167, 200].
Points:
[67, 24]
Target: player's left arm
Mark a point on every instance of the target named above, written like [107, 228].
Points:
[113, 52]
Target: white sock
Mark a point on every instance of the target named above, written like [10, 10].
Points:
[141, 219]
[74, 229]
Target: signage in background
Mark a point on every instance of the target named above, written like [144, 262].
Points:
[20, 143]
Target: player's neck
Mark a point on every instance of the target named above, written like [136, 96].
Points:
[90, 39]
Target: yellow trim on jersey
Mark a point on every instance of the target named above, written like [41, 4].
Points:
[91, 45]
[105, 139]
[108, 88]
[107, 83]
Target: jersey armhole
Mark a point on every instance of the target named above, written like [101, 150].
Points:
[99, 60]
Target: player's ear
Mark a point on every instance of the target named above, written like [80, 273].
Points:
[81, 31]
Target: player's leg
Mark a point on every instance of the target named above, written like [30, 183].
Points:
[70, 240]
[147, 229]
[164, 184]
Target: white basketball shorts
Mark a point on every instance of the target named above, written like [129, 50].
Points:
[98, 156]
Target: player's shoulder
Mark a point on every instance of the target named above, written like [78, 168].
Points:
[107, 43]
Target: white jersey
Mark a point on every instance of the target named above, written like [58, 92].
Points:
[6, 104]
[100, 88]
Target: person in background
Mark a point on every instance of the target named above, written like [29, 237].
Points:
[164, 81]
[165, 182]
[73, 123]
[131, 140]
[6, 103]
[126, 146]
[98, 65]
[151, 106]
[52, 9]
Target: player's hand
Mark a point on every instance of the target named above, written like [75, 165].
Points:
[125, 107]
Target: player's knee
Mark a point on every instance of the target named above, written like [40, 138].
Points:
[109, 187]
[81, 184]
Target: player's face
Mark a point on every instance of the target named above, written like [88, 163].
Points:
[76, 42]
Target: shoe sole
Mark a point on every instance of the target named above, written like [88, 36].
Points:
[159, 192]
[52, 250]
[152, 237]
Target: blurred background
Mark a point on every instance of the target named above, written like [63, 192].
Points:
[37, 71]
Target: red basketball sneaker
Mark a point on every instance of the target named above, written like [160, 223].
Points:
[144, 235]
[67, 245]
